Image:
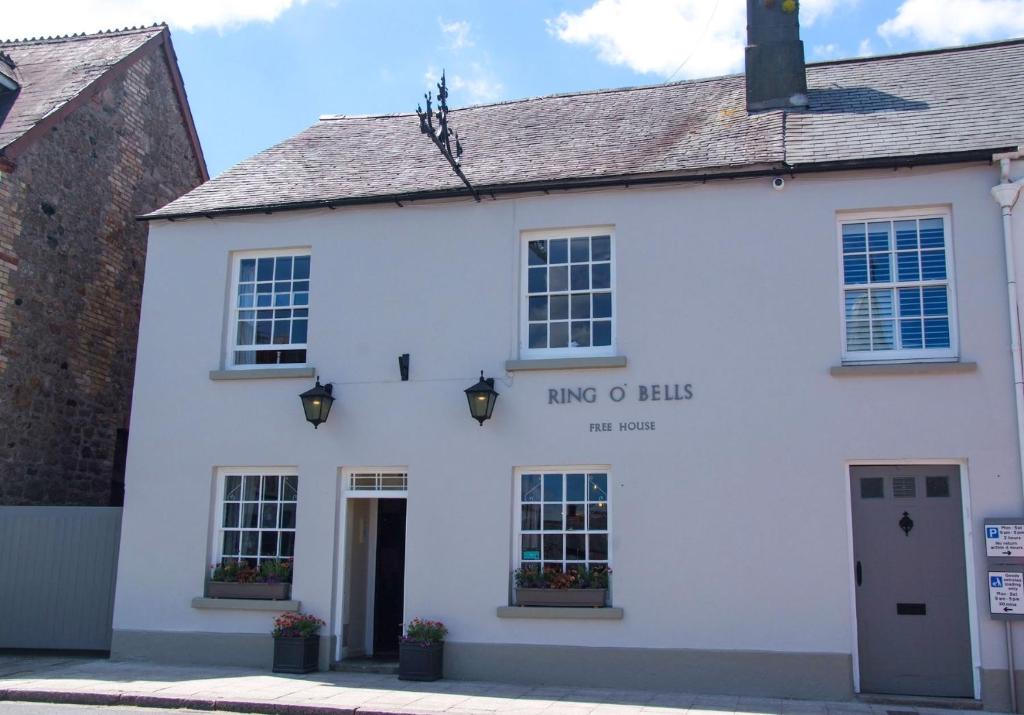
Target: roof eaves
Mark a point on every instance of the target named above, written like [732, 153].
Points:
[626, 181]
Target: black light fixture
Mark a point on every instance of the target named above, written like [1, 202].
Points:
[316, 403]
[482, 397]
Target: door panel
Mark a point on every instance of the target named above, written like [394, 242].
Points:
[389, 589]
[910, 578]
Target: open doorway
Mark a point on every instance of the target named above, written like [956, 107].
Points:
[374, 574]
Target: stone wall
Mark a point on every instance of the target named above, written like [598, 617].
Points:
[72, 257]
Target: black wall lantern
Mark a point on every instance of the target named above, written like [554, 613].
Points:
[316, 403]
[482, 397]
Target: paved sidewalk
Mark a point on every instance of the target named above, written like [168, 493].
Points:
[104, 682]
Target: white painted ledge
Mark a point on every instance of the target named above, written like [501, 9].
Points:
[547, 612]
[244, 604]
[902, 368]
[577, 363]
[267, 373]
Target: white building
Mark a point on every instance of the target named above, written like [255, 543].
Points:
[759, 337]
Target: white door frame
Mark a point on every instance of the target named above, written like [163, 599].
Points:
[342, 554]
[968, 531]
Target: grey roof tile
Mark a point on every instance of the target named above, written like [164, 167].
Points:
[957, 100]
[53, 71]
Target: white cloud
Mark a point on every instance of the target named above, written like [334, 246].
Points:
[813, 10]
[954, 22]
[657, 36]
[34, 19]
[677, 38]
[480, 85]
[825, 52]
[865, 48]
[457, 33]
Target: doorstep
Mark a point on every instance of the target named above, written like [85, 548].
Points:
[900, 703]
[366, 665]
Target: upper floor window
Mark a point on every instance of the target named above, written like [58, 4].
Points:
[568, 293]
[270, 308]
[898, 295]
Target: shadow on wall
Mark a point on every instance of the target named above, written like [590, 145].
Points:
[860, 100]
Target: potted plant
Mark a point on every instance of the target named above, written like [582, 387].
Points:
[585, 587]
[237, 578]
[296, 643]
[421, 652]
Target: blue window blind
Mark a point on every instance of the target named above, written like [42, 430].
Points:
[896, 290]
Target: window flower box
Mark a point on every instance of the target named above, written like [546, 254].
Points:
[296, 643]
[270, 581]
[421, 651]
[575, 587]
[257, 591]
[562, 597]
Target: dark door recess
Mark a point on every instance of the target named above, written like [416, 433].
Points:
[389, 589]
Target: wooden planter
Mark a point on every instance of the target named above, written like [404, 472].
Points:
[259, 591]
[296, 655]
[420, 662]
[562, 597]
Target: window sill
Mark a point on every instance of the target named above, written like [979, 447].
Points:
[570, 363]
[550, 613]
[244, 604]
[262, 373]
[902, 368]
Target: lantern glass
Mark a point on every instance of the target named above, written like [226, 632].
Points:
[316, 403]
[482, 397]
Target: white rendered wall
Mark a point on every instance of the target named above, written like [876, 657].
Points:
[730, 520]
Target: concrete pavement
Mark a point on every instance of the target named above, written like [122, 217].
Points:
[45, 679]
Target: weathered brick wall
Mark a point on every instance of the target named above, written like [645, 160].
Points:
[71, 265]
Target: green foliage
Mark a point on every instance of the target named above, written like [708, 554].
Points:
[424, 632]
[297, 625]
[241, 571]
[574, 577]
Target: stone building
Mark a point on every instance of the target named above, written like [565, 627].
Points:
[94, 131]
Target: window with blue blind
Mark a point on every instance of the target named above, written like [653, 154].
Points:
[898, 301]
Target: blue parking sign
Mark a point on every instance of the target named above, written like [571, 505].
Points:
[997, 581]
[991, 532]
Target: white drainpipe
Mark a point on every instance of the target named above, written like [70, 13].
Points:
[1006, 195]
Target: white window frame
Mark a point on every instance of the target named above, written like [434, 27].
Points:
[525, 351]
[949, 354]
[217, 543]
[517, 502]
[232, 331]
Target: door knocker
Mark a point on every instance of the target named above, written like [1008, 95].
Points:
[906, 523]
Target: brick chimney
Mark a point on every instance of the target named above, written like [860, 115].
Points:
[776, 76]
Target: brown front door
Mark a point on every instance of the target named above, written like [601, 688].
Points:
[910, 574]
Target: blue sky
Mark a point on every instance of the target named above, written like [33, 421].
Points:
[258, 71]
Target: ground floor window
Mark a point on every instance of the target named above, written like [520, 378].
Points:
[256, 518]
[562, 518]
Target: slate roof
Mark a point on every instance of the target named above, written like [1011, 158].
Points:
[928, 106]
[53, 71]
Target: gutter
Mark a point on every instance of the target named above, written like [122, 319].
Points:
[899, 162]
[1006, 194]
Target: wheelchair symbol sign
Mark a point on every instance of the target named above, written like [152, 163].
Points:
[997, 581]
